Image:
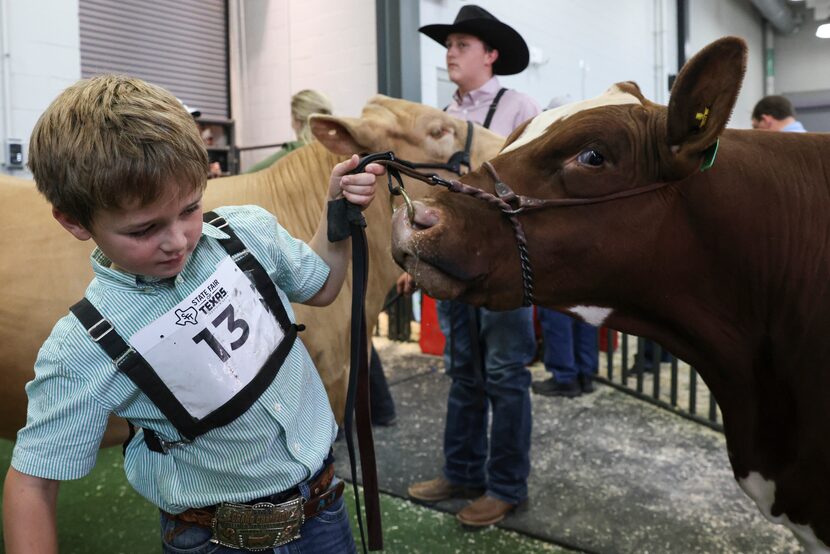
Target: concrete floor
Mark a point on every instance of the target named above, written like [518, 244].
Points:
[609, 473]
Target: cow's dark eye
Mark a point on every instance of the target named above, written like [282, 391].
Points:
[590, 157]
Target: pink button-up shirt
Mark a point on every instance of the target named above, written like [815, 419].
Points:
[514, 107]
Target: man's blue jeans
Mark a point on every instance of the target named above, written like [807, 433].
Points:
[571, 345]
[506, 345]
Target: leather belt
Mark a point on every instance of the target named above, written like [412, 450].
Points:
[260, 524]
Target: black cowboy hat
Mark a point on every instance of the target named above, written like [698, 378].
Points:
[476, 21]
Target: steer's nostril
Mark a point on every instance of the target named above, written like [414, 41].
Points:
[424, 217]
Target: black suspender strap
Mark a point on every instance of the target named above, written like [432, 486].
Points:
[491, 111]
[134, 366]
[493, 105]
[129, 362]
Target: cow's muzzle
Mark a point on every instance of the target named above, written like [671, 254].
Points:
[425, 248]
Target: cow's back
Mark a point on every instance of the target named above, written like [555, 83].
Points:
[44, 271]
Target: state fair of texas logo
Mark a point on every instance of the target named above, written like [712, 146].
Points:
[186, 317]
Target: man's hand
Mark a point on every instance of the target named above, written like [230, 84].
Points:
[358, 189]
[406, 284]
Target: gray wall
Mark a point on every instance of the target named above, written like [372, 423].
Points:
[712, 19]
[582, 47]
[588, 45]
[802, 73]
[40, 56]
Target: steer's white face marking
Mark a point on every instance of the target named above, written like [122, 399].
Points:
[592, 314]
[762, 492]
[540, 123]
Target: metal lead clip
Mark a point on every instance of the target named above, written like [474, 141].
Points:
[410, 209]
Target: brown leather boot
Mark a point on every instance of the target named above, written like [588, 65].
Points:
[484, 511]
[439, 489]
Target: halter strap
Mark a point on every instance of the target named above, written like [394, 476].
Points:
[505, 199]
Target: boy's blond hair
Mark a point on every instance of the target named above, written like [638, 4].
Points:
[112, 140]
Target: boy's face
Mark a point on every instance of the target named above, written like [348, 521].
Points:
[468, 61]
[155, 240]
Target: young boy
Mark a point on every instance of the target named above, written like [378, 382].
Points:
[185, 331]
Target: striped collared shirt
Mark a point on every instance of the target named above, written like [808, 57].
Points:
[280, 441]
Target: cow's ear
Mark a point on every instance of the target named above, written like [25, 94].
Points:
[341, 135]
[702, 100]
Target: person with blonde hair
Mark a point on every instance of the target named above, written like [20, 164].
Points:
[303, 104]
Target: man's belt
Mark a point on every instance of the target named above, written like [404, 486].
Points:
[264, 525]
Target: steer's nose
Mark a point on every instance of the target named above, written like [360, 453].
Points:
[424, 217]
[404, 231]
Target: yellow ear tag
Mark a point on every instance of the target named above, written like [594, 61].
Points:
[702, 117]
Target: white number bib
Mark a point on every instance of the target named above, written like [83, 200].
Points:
[208, 347]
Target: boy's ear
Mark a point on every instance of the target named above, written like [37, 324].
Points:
[71, 224]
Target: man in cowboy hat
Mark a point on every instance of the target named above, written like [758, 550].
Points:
[479, 46]
[490, 369]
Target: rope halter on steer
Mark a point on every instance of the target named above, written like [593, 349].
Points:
[396, 166]
[505, 199]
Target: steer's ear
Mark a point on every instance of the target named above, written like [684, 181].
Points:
[701, 103]
[341, 135]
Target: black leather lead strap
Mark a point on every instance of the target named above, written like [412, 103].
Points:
[357, 398]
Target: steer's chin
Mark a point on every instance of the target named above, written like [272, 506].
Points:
[433, 281]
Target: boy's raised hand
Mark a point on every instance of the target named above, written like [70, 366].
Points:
[358, 189]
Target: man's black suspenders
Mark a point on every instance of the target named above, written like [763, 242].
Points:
[491, 111]
[134, 366]
[472, 313]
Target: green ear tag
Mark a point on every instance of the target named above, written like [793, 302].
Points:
[709, 156]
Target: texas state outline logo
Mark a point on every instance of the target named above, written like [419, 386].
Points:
[187, 317]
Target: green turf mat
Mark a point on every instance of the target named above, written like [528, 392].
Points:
[103, 514]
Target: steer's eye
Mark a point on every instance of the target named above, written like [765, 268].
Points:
[591, 158]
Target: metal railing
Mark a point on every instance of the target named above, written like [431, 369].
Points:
[673, 384]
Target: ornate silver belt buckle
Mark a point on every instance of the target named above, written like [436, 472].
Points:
[261, 526]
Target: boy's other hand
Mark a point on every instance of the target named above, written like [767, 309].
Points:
[358, 189]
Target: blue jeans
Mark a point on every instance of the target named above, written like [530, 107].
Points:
[328, 531]
[571, 345]
[506, 345]
[381, 403]
[648, 354]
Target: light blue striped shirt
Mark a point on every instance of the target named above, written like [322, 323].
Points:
[279, 442]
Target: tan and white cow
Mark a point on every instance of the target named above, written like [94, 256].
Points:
[45, 270]
[629, 224]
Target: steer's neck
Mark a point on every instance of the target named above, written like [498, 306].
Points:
[742, 273]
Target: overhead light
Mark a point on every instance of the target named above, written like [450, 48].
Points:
[823, 31]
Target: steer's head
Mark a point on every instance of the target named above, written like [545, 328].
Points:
[415, 132]
[462, 247]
